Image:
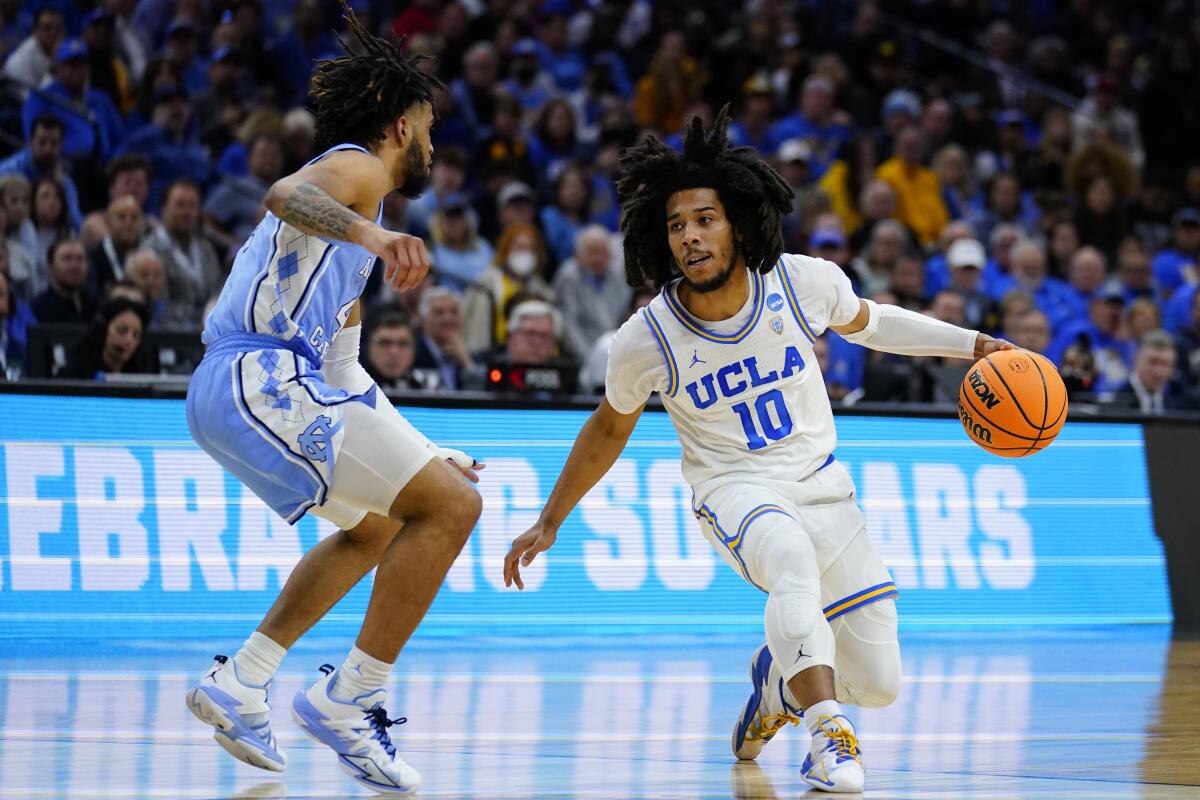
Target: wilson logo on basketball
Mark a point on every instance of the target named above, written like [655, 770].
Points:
[971, 426]
[981, 389]
[1019, 365]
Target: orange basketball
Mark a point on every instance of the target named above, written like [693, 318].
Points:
[1012, 403]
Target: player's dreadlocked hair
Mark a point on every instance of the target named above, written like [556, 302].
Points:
[755, 197]
[356, 97]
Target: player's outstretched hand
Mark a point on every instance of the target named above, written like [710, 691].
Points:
[985, 344]
[524, 549]
[405, 260]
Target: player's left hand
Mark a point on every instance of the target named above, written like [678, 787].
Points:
[985, 344]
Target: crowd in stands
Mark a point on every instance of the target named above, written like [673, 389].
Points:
[1027, 169]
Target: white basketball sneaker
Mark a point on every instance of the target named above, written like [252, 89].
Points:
[239, 714]
[357, 732]
[834, 761]
[766, 711]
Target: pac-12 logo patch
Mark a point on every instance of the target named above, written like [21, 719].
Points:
[777, 324]
[774, 301]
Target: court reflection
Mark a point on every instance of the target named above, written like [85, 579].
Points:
[981, 711]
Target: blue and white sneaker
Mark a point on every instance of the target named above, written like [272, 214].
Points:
[357, 732]
[834, 762]
[766, 711]
[239, 714]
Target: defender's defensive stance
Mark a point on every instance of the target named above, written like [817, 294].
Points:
[728, 344]
[281, 402]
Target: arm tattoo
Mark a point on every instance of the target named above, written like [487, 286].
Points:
[315, 211]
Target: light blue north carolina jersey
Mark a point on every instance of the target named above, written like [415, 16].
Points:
[291, 286]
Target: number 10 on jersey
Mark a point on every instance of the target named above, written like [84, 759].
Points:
[773, 428]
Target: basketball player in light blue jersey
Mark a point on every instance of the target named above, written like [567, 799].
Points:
[281, 402]
[728, 344]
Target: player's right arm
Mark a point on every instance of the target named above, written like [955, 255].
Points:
[331, 198]
[601, 440]
[636, 369]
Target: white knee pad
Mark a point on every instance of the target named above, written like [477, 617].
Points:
[868, 671]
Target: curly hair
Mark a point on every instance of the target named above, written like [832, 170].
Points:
[356, 97]
[754, 195]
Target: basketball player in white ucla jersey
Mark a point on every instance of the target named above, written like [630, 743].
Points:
[281, 402]
[728, 344]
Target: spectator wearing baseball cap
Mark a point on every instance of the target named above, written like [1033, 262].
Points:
[459, 254]
[1179, 264]
[966, 259]
[91, 125]
[1099, 333]
[166, 142]
[108, 72]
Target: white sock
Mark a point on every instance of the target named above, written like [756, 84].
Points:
[825, 708]
[360, 674]
[259, 659]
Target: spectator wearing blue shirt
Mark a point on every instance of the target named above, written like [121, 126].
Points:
[42, 158]
[1134, 272]
[1098, 333]
[1085, 273]
[474, 92]
[529, 84]
[234, 207]
[181, 50]
[165, 143]
[91, 124]
[1052, 297]
[554, 143]
[459, 255]
[565, 65]
[1177, 309]
[1179, 264]
[752, 128]
[564, 219]
[306, 43]
[817, 121]
[446, 179]
[1004, 203]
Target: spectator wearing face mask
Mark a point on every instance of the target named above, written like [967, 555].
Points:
[517, 269]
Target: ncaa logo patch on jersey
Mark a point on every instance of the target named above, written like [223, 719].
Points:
[777, 324]
[774, 302]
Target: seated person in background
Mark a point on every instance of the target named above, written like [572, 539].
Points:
[112, 344]
[67, 299]
[1029, 331]
[459, 254]
[1141, 316]
[194, 273]
[517, 268]
[235, 206]
[966, 260]
[440, 345]
[15, 319]
[1149, 388]
[595, 363]
[591, 290]
[534, 328]
[391, 344]
[1188, 343]
[1100, 334]
[126, 226]
[144, 269]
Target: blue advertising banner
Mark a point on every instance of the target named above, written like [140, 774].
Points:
[115, 524]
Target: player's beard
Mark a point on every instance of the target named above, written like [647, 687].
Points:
[717, 281]
[416, 172]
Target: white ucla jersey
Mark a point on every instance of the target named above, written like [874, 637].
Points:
[291, 286]
[745, 395]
